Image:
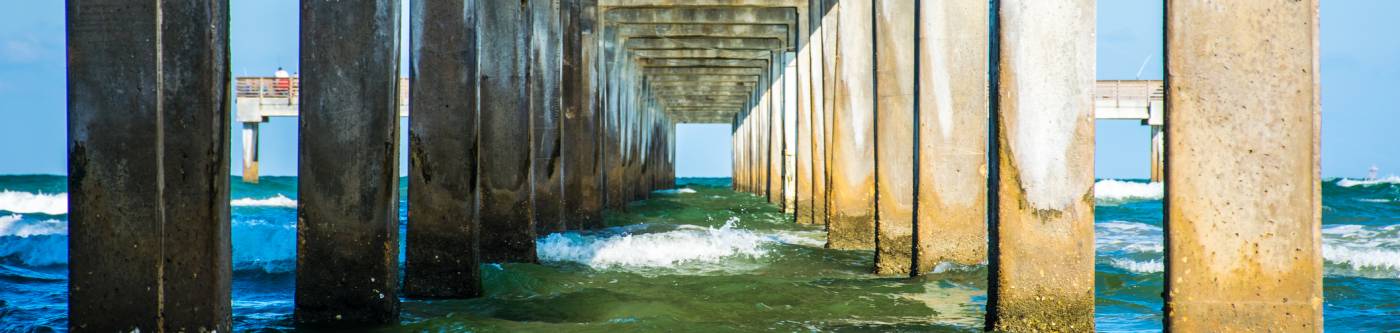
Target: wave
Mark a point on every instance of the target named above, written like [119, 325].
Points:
[1117, 191]
[1139, 267]
[1124, 237]
[264, 246]
[1348, 182]
[278, 200]
[33, 203]
[687, 244]
[682, 190]
[16, 225]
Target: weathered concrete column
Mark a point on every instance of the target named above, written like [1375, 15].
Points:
[950, 223]
[583, 195]
[816, 135]
[1243, 186]
[802, 157]
[142, 256]
[896, 120]
[831, 79]
[441, 257]
[773, 109]
[546, 98]
[851, 213]
[789, 114]
[1156, 153]
[347, 213]
[507, 211]
[250, 153]
[1042, 233]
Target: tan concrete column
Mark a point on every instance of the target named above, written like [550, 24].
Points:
[895, 123]
[1243, 186]
[1156, 153]
[774, 109]
[803, 152]
[852, 192]
[950, 225]
[250, 152]
[789, 113]
[830, 45]
[818, 111]
[1042, 236]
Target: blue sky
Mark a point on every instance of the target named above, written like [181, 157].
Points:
[1360, 75]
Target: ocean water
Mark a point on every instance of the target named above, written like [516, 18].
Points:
[703, 258]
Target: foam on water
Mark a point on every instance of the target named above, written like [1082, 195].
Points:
[1139, 267]
[683, 190]
[16, 225]
[1371, 251]
[1128, 237]
[687, 244]
[278, 200]
[1348, 182]
[33, 203]
[1117, 191]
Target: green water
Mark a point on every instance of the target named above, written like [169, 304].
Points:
[793, 285]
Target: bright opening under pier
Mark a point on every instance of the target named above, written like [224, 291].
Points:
[920, 165]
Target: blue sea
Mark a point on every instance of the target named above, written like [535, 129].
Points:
[703, 258]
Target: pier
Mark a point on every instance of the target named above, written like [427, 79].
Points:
[922, 132]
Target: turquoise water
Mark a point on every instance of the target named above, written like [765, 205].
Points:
[707, 259]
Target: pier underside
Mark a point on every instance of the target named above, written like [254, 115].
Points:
[911, 135]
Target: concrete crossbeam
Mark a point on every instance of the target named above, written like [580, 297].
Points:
[701, 78]
[347, 216]
[1243, 220]
[702, 53]
[1042, 230]
[778, 31]
[702, 71]
[703, 15]
[717, 43]
[692, 62]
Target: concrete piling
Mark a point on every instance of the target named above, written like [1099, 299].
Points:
[583, 204]
[896, 121]
[950, 225]
[441, 252]
[507, 211]
[347, 213]
[830, 52]
[545, 72]
[851, 211]
[141, 256]
[1243, 114]
[1041, 250]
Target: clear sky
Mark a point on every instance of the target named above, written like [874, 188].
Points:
[1360, 93]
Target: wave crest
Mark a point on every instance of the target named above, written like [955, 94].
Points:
[1117, 191]
[278, 200]
[33, 203]
[687, 244]
[1348, 182]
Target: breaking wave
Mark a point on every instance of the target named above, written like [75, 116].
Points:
[1117, 191]
[33, 203]
[278, 200]
[687, 244]
[1348, 182]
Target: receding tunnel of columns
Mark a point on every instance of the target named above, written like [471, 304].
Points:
[659, 63]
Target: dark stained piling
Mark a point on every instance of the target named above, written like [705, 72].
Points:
[507, 211]
[582, 169]
[347, 214]
[441, 259]
[545, 73]
[148, 126]
[851, 209]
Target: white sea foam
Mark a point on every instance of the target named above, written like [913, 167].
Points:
[1348, 182]
[1128, 237]
[683, 190]
[31, 203]
[1116, 191]
[1140, 267]
[16, 225]
[278, 200]
[686, 244]
[1363, 259]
